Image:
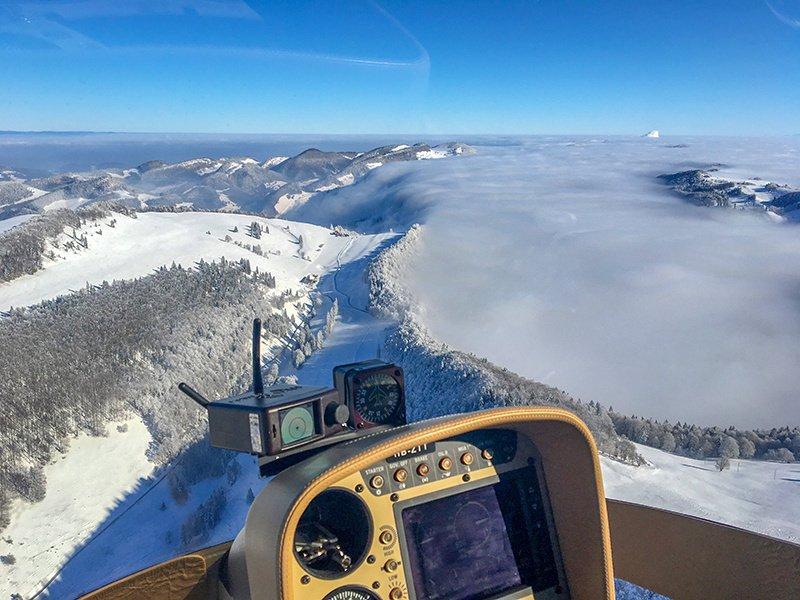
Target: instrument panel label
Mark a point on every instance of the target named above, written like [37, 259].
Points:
[413, 451]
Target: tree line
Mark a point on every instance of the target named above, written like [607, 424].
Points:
[24, 248]
[780, 444]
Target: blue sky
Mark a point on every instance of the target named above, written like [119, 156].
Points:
[610, 67]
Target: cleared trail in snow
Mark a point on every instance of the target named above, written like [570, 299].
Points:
[358, 335]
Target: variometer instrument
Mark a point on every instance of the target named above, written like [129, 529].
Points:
[375, 390]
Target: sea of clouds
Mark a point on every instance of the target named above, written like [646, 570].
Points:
[566, 260]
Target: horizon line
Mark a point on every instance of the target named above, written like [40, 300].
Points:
[385, 134]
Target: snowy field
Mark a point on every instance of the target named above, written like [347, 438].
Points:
[7, 224]
[135, 247]
[85, 487]
[755, 495]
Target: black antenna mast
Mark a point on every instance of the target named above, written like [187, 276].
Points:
[193, 394]
[258, 380]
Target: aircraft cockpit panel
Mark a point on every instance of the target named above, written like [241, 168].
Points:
[487, 506]
[465, 518]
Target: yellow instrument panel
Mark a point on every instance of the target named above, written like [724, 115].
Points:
[449, 496]
[503, 504]
[406, 539]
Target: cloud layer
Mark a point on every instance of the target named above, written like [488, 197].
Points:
[566, 261]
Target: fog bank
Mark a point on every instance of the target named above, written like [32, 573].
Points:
[567, 261]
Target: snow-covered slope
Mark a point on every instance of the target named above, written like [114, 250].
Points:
[84, 488]
[12, 222]
[756, 495]
[135, 246]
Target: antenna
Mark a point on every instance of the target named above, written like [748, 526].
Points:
[258, 380]
[193, 394]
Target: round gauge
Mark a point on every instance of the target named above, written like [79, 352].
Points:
[296, 424]
[377, 397]
[351, 593]
[333, 535]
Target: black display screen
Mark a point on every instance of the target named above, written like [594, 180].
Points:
[482, 542]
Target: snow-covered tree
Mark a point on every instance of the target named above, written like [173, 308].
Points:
[728, 447]
[201, 522]
[746, 448]
[780, 455]
[298, 357]
[668, 442]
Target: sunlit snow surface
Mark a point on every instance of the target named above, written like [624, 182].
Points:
[135, 247]
[7, 224]
[753, 494]
[87, 486]
[566, 260]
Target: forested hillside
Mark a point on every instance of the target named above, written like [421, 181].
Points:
[780, 444]
[79, 361]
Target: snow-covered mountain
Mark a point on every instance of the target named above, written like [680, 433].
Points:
[8, 174]
[270, 187]
[704, 188]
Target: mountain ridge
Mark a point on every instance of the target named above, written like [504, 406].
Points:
[228, 184]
